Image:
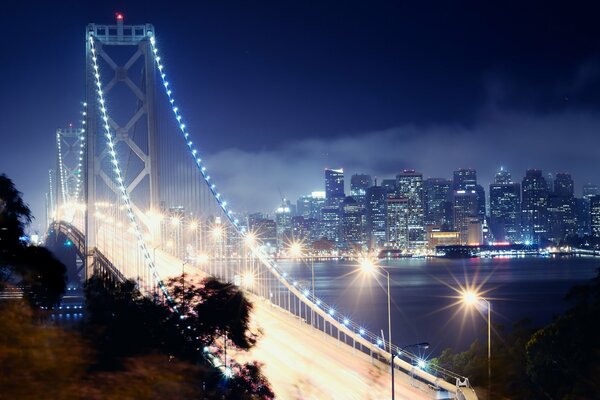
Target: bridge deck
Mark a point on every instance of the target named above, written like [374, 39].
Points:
[304, 363]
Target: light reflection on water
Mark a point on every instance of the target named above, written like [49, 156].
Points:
[519, 288]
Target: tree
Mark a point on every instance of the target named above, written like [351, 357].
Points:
[15, 215]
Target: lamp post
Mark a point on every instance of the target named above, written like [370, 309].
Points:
[369, 266]
[472, 298]
[183, 282]
[423, 345]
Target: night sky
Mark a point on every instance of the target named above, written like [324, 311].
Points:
[277, 90]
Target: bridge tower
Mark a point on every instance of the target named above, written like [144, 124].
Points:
[137, 131]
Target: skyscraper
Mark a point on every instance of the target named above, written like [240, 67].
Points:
[334, 186]
[283, 220]
[375, 207]
[359, 183]
[534, 209]
[437, 193]
[330, 223]
[351, 222]
[465, 179]
[410, 186]
[505, 208]
[595, 215]
[309, 206]
[561, 208]
[397, 222]
[465, 212]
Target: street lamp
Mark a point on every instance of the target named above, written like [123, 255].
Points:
[369, 266]
[471, 298]
[420, 363]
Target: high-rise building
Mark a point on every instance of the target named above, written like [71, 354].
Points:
[534, 207]
[351, 222]
[283, 220]
[300, 229]
[359, 183]
[562, 220]
[309, 206]
[375, 207]
[410, 186]
[330, 223]
[438, 208]
[334, 186]
[595, 215]
[505, 208]
[582, 216]
[465, 179]
[480, 192]
[397, 222]
[465, 212]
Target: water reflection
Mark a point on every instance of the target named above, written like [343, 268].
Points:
[421, 293]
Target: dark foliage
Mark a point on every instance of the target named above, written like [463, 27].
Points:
[41, 274]
[560, 361]
[14, 217]
[123, 324]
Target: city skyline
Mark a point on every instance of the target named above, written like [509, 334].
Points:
[370, 99]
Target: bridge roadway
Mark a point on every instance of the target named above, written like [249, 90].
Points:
[300, 361]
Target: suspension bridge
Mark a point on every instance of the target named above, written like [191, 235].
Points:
[133, 196]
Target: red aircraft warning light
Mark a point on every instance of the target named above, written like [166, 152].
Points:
[119, 16]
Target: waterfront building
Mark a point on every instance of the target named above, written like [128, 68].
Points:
[283, 221]
[410, 186]
[438, 208]
[562, 220]
[534, 207]
[330, 223]
[375, 210]
[595, 215]
[351, 222]
[465, 210]
[505, 208]
[397, 222]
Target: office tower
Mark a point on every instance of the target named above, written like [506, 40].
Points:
[397, 222]
[534, 207]
[595, 215]
[300, 229]
[561, 209]
[505, 208]
[334, 186]
[465, 179]
[283, 220]
[330, 223]
[351, 222]
[466, 209]
[582, 216]
[437, 193]
[309, 206]
[410, 186]
[359, 183]
[480, 192]
[375, 208]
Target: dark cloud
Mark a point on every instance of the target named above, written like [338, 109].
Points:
[565, 142]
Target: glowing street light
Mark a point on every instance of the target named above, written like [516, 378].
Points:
[217, 231]
[193, 226]
[250, 239]
[248, 279]
[295, 249]
[369, 266]
[472, 298]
